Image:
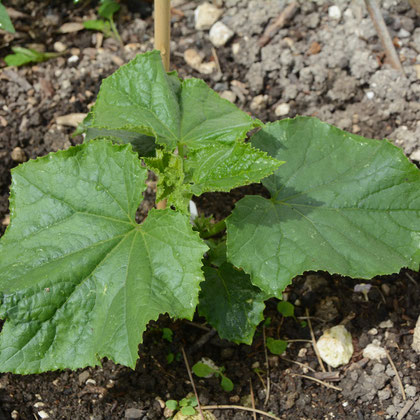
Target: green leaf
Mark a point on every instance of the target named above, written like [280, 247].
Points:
[140, 97]
[276, 346]
[24, 56]
[222, 167]
[188, 410]
[108, 8]
[226, 384]
[202, 370]
[143, 145]
[167, 334]
[170, 357]
[286, 308]
[79, 279]
[172, 404]
[230, 303]
[98, 25]
[341, 203]
[5, 22]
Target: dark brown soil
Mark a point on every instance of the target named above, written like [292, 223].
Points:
[32, 97]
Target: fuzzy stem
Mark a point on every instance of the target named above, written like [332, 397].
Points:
[214, 230]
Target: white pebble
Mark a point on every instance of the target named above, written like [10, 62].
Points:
[220, 34]
[370, 95]
[373, 331]
[334, 12]
[374, 351]
[416, 335]
[73, 59]
[335, 346]
[229, 95]
[386, 324]
[206, 15]
[282, 109]
[43, 414]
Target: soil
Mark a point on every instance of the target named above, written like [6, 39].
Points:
[326, 62]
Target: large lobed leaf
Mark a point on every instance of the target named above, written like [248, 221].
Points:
[341, 203]
[141, 97]
[85, 279]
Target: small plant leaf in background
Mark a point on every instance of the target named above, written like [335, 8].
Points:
[22, 56]
[167, 334]
[341, 203]
[172, 404]
[5, 22]
[226, 383]
[98, 25]
[188, 410]
[276, 346]
[286, 308]
[86, 279]
[108, 8]
[230, 303]
[203, 370]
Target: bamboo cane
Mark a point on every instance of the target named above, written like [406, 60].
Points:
[162, 43]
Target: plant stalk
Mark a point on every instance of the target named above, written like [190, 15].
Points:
[214, 230]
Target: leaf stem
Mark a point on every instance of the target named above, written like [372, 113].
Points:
[214, 230]
[115, 31]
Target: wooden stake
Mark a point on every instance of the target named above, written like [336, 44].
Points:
[162, 43]
[163, 30]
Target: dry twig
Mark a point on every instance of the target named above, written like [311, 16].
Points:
[252, 399]
[192, 383]
[314, 340]
[381, 29]
[397, 376]
[311, 378]
[267, 394]
[239, 407]
[282, 19]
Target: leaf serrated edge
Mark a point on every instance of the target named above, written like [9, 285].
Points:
[68, 153]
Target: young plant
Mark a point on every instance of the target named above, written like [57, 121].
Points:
[208, 369]
[22, 56]
[80, 279]
[106, 10]
[186, 406]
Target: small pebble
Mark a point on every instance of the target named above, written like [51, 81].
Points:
[18, 155]
[83, 377]
[386, 324]
[411, 391]
[258, 103]
[14, 415]
[370, 95]
[282, 109]
[334, 12]
[91, 382]
[229, 95]
[43, 414]
[59, 46]
[133, 413]
[220, 34]
[403, 33]
[373, 331]
[206, 15]
[73, 59]
[374, 351]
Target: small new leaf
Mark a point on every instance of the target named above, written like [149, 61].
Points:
[276, 346]
[286, 308]
[24, 56]
[203, 370]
